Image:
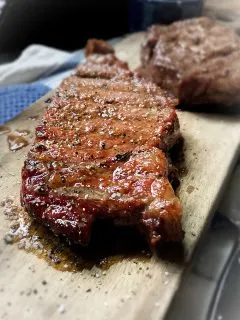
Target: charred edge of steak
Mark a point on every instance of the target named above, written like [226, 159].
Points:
[173, 176]
[96, 46]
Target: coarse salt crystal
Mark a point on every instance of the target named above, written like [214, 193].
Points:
[61, 309]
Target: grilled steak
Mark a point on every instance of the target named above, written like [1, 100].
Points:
[196, 59]
[99, 153]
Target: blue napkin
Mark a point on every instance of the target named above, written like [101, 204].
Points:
[14, 99]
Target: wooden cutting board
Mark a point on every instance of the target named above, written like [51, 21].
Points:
[131, 288]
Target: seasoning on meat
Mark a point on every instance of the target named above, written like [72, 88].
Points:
[99, 153]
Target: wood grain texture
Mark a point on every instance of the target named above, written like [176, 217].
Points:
[126, 291]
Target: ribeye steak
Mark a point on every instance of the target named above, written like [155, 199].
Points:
[99, 153]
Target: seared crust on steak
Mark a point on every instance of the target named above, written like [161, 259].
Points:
[195, 59]
[97, 46]
[99, 154]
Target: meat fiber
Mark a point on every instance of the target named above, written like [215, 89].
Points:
[99, 153]
[198, 60]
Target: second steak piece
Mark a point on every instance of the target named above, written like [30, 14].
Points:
[196, 59]
[98, 154]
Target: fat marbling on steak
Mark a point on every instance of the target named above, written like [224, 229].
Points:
[197, 59]
[99, 153]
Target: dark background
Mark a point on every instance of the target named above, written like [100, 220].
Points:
[65, 24]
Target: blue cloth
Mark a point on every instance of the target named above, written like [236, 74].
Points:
[14, 99]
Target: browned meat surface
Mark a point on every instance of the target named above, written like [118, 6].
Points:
[99, 154]
[196, 59]
[97, 46]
